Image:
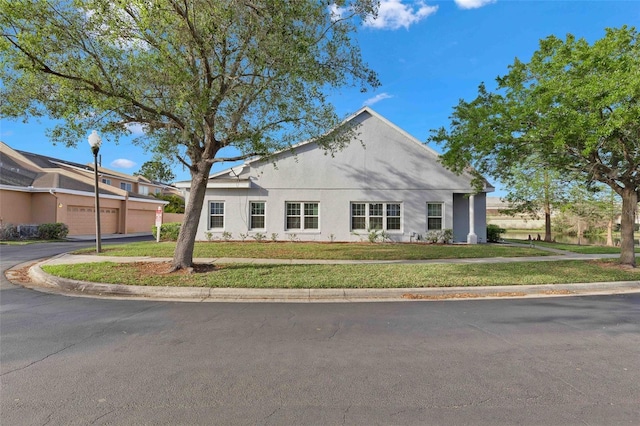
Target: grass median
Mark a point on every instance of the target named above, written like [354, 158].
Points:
[348, 276]
[327, 251]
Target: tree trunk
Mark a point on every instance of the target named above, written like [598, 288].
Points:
[183, 256]
[610, 232]
[547, 225]
[627, 223]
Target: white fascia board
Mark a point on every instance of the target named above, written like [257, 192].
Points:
[74, 192]
[229, 185]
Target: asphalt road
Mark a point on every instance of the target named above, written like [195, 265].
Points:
[561, 361]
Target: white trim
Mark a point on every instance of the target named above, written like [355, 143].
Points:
[442, 216]
[209, 215]
[81, 193]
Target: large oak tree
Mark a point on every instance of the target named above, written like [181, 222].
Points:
[574, 104]
[198, 75]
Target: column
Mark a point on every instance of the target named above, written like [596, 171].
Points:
[472, 238]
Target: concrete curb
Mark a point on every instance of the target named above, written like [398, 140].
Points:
[43, 281]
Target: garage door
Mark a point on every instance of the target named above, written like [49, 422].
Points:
[81, 220]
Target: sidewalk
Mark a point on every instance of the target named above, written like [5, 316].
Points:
[48, 283]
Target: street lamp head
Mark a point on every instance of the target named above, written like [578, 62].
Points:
[95, 142]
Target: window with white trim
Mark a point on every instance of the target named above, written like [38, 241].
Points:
[106, 181]
[434, 216]
[385, 216]
[125, 186]
[302, 215]
[216, 215]
[257, 215]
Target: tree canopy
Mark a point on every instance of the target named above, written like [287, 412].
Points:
[156, 170]
[574, 104]
[198, 75]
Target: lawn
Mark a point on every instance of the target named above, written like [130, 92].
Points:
[575, 248]
[348, 276]
[328, 251]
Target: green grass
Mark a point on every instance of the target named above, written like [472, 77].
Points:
[27, 242]
[354, 276]
[574, 248]
[328, 251]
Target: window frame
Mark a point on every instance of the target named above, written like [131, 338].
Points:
[441, 216]
[379, 211]
[302, 216]
[126, 186]
[106, 181]
[212, 215]
[252, 215]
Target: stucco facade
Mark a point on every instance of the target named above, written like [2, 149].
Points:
[386, 180]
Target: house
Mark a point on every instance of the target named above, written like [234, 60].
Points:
[386, 180]
[36, 189]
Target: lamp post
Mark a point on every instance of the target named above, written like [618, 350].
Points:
[95, 142]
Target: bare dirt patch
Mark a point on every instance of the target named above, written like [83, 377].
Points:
[614, 265]
[165, 268]
[19, 275]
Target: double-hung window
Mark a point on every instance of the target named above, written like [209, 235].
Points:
[216, 215]
[434, 216]
[257, 215]
[302, 215]
[385, 216]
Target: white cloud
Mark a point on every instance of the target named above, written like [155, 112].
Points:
[123, 163]
[377, 98]
[473, 4]
[136, 129]
[394, 14]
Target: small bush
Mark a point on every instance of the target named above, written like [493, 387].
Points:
[209, 236]
[494, 233]
[52, 231]
[168, 231]
[8, 232]
[259, 236]
[226, 235]
[442, 236]
[274, 236]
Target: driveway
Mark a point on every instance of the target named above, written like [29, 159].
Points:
[530, 361]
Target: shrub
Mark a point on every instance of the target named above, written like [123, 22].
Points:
[494, 233]
[209, 236]
[274, 236]
[168, 231]
[52, 231]
[8, 232]
[442, 236]
[259, 236]
[226, 235]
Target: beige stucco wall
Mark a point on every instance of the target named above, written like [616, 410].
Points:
[15, 207]
[43, 208]
[141, 217]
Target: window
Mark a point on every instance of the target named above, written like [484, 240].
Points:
[393, 217]
[216, 215]
[375, 216]
[125, 186]
[144, 190]
[434, 216]
[302, 215]
[107, 181]
[257, 215]
[157, 191]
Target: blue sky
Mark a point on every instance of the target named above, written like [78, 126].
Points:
[428, 54]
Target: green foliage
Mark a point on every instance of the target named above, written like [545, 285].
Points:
[574, 106]
[442, 236]
[274, 236]
[156, 170]
[176, 203]
[494, 233]
[227, 236]
[52, 231]
[259, 236]
[9, 232]
[168, 231]
[198, 76]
